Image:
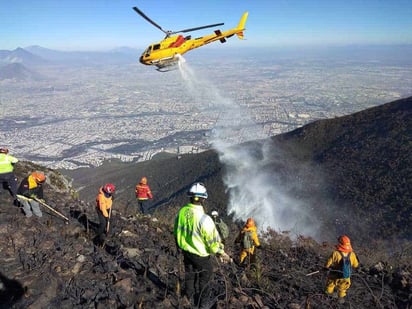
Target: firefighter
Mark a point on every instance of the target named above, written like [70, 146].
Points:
[7, 177]
[196, 235]
[339, 266]
[104, 202]
[143, 194]
[249, 241]
[31, 188]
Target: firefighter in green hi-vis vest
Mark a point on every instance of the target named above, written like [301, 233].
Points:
[196, 235]
[7, 177]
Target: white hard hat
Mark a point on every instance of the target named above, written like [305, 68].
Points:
[215, 213]
[198, 189]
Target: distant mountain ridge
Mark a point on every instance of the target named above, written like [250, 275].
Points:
[37, 55]
[17, 71]
[22, 56]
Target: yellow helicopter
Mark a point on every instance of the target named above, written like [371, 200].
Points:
[166, 53]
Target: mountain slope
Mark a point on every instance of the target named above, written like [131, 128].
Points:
[20, 55]
[354, 171]
[366, 159]
[17, 71]
[48, 264]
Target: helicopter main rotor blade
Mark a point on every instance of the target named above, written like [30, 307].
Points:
[149, 20]
[198, 28]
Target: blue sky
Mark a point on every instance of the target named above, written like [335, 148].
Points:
[104, 24]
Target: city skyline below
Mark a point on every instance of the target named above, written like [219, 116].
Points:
[104, 25]
[80, 114]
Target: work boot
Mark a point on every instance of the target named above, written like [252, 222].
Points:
[341, 300]
[16, 203]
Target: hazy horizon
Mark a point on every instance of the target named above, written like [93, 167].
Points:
[87, 25]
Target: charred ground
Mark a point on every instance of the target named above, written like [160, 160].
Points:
[48, 264]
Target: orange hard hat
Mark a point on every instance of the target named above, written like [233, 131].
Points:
[344, 244]
[143, 180]
[250, 222]
[39, 177]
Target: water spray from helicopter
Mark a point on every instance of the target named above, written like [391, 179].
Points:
[254, 191]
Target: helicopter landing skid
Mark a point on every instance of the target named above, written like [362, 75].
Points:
[168, 64]
[167, 68]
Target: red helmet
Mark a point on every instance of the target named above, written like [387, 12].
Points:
[4, 150]
[38, 177]
[109, 188]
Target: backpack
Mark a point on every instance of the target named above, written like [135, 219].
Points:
[223, 229]
[346, 266]
[247, 241]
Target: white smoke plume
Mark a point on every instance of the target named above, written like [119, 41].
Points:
[254, 191]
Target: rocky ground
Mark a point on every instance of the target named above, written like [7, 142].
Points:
[46, 263]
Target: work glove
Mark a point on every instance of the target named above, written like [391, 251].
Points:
[224, 258]
[326, 269]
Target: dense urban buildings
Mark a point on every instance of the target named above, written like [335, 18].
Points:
[69, 116]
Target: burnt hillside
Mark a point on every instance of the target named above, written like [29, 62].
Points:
[46, 263]
[366, 164]
[355, 171]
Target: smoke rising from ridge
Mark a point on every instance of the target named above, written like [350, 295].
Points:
[254, 189]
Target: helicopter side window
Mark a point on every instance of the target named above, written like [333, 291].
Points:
[147, 51]
[156, 46]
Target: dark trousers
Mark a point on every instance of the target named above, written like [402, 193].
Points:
[9, 182]
[198, 275]
[143, 204]
[101, 230]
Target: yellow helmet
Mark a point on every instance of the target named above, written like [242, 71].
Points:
[143, 181]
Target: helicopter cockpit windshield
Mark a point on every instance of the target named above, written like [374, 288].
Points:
[147, 51]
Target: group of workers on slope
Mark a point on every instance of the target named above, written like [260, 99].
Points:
[195, 232]
[198, 238]
[29, 194]
[104, 202]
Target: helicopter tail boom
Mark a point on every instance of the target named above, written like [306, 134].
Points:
[241, 25]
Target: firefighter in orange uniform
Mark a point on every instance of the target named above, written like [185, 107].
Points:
[104, 201]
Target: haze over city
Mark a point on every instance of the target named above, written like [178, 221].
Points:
[299, 62]
[70, 97]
